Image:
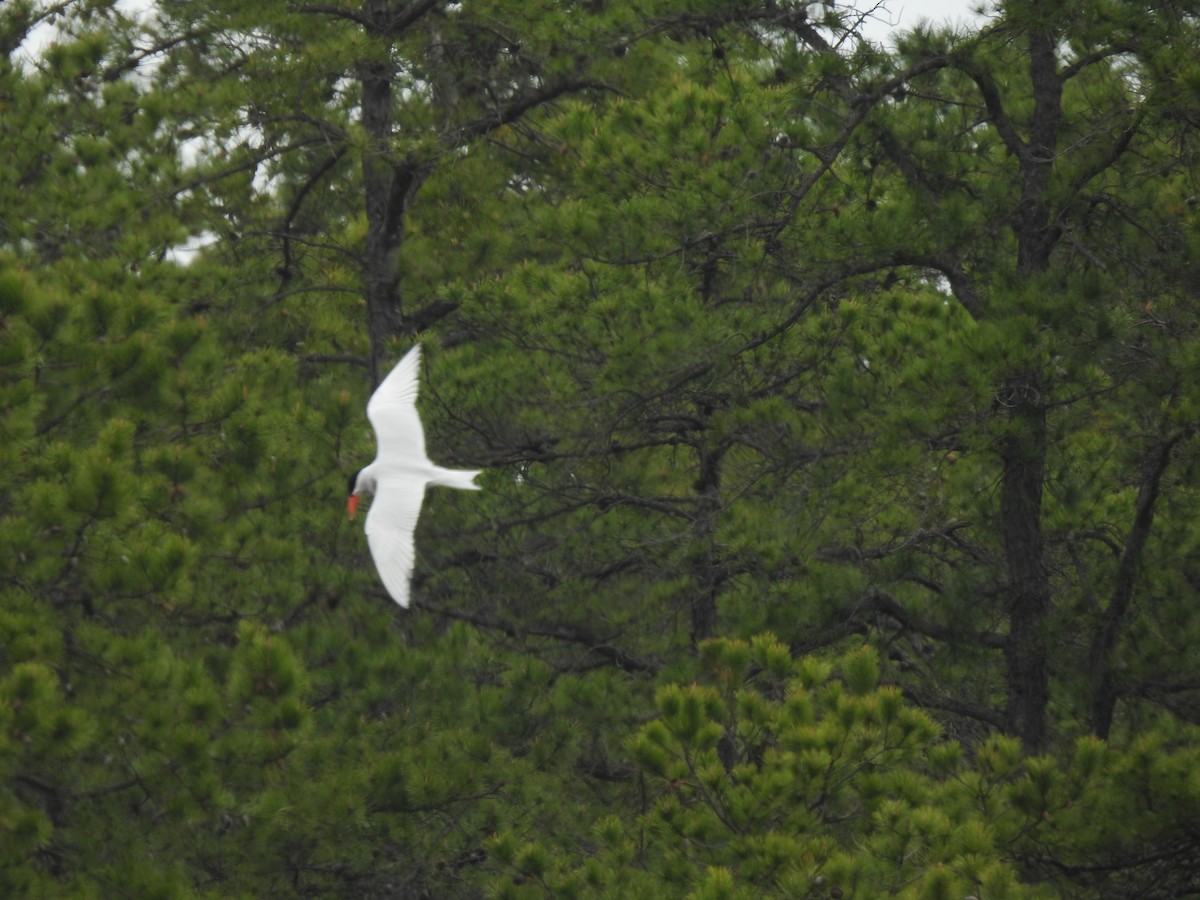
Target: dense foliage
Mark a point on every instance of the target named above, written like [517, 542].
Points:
[839, 411]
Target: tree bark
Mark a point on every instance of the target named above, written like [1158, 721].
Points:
[1023, 450]
[389, 183]
[1023, 460]
[706, 565]
[388, 188]
[1036, 236]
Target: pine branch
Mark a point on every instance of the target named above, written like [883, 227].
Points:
[467, 132]
[337, 12]
[997, 115]
[853, 618]
[954, 705]
[960, 284]
[315, 177]
[622, 659]
[1103, 686]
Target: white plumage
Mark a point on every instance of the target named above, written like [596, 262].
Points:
[399, 475]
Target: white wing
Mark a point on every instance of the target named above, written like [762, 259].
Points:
[392, 410]
[390, 526]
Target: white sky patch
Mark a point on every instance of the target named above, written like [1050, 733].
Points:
[49, 30]
[904, 15]
[187, 251]
[891, 14]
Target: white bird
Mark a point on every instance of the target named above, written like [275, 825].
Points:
[398, 476]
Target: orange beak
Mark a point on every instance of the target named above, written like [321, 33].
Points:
[352, 506]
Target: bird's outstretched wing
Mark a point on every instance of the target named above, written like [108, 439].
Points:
[392, 410]
[390, 526]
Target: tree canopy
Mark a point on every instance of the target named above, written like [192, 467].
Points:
[837, 402]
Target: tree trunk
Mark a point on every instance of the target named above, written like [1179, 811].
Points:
[389, 186]
[1023, 449]
[706, 570]
[1035, 233]
[1023, 458]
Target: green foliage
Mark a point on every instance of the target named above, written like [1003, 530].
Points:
[798, 787]
[734, 318]
[791, 788]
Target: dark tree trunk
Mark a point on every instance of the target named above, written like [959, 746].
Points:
[1023, 458]
[388, 189]
[707, 567]
[1023, 450]
[1036, 234]
[391, 179]
[389, 185]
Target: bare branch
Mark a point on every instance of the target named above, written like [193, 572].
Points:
[337, 12]
[854, 618]
[312, 181]
[954, 705]
[1094, 57]
[411, 14]
[1115, 152]
[339, 358]
[995, 107]
[960, 284]
[882, 551]
[469, 131]
[249, 164]
[1104, 692]
[393, 26]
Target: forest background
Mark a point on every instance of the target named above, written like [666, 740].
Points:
[838, 404]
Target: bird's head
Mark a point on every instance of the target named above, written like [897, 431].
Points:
[353, 492]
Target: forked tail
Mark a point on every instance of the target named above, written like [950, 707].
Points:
[463, 479]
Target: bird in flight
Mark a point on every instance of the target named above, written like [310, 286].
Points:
[399, 475]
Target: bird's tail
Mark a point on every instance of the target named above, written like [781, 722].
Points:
[463, 479]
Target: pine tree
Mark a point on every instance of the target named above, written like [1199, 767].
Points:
[753, 328]
[973, 215]
[1030, 185]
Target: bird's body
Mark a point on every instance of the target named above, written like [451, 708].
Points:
[399, 475]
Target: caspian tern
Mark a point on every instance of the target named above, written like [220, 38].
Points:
[399, 475]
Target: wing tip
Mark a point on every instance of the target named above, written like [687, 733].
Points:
[397, 585]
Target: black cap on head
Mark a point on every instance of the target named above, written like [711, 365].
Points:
[353, 482]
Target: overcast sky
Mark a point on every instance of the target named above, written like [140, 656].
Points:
[907, 13]
[899, 14]
[902, 13]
